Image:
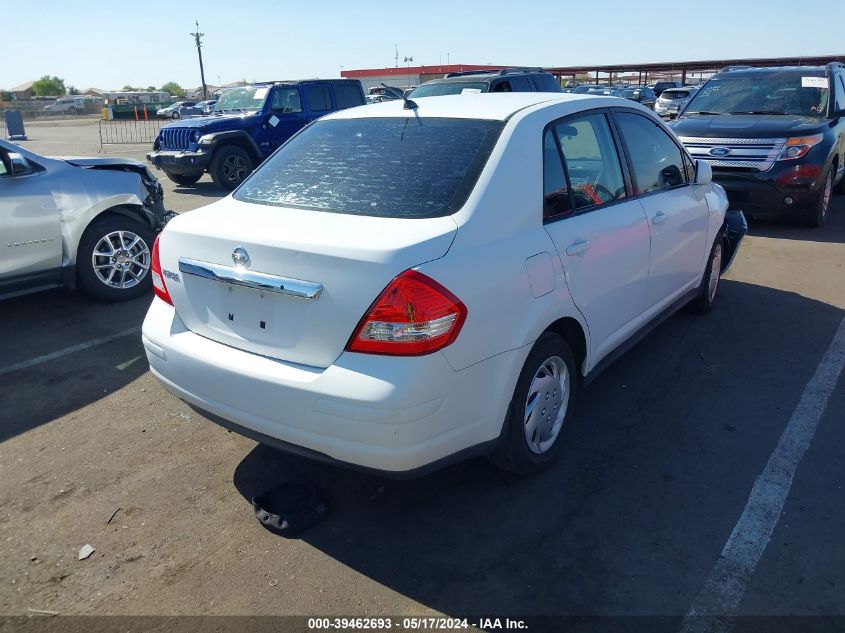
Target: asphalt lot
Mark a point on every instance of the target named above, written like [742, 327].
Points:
[651, 482]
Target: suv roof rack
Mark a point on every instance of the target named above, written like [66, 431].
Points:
[462, 73]
[503, 71]
[728, 69]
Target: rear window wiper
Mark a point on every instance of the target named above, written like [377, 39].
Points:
[758, 112]
[703, 112]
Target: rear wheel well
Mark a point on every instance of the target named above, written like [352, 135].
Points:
[571, 330]
[243, 144]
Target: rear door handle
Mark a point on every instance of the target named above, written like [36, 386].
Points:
[578, 247]
[659, 218]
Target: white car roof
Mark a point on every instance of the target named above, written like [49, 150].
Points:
[490, 106]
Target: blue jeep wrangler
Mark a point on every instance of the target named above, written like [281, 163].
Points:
[248, 124]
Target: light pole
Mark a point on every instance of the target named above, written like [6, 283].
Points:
[408, 61]
[198, 38]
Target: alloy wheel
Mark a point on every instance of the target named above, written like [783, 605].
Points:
[121, 259]
[234, 169]
[828, 190]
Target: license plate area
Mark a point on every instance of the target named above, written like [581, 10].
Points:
[246, 313]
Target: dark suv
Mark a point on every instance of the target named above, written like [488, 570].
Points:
[248, 124]
[507, 80]
[775, 137]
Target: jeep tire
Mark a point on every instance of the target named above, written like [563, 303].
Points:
[185, 180]
[230, 166]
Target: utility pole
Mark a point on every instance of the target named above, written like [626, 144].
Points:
[197, 37]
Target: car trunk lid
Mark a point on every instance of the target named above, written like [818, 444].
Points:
[302, 281]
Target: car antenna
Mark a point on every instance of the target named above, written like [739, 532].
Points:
[409, 105]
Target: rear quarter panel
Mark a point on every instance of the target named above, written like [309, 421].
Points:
[499, 228]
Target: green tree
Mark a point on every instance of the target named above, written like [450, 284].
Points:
[174, 89]
[71, 90]
[128, 88]
[151, 88]
[49, 86]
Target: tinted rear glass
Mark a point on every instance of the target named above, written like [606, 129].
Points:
[546, 83]
[675, 94]
[388, 167]
[347, 95]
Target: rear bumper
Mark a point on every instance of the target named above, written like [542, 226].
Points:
[381, 413]
[180, 163]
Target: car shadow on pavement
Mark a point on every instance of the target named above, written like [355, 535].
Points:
[38, 325]
[653, 475]
[204, 188]
[832, 232]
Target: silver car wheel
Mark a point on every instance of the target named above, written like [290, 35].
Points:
[121, 259]
[546, 404]
[715, 272]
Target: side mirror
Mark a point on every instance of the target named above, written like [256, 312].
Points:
[20, 166]
[703, 173]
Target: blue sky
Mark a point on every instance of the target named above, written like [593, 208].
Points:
[109, 44]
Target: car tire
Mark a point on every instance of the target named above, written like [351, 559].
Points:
[817, 215]
[707, 291]
[839, 189]
[546, 390]
[185, 180]
[104, 236]
[230, 166]
[175, 114]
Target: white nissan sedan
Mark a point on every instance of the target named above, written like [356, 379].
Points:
[409, 283]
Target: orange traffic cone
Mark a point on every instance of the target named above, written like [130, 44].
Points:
[136, 113]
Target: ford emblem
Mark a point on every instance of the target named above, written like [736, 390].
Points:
[240, 257]
[720, 151]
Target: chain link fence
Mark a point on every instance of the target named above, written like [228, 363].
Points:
[127, 132]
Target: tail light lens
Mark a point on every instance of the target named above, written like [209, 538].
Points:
[159, 286]
[413, 316]
[798, 146]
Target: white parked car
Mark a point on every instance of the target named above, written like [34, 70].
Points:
[69, 221]
[174, 110]
[671, 100]
[67, 105]
[396, 288]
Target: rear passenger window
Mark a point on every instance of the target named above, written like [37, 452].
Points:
[556, 199]
[657, 162]
[591, 160]
[319, 99]
[347, 96]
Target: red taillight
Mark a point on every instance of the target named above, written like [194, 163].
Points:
[159, 286]
[414, 315]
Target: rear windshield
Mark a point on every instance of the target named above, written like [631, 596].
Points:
[803, 93]
[448, 88]
[675, 94]
[388, 167]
